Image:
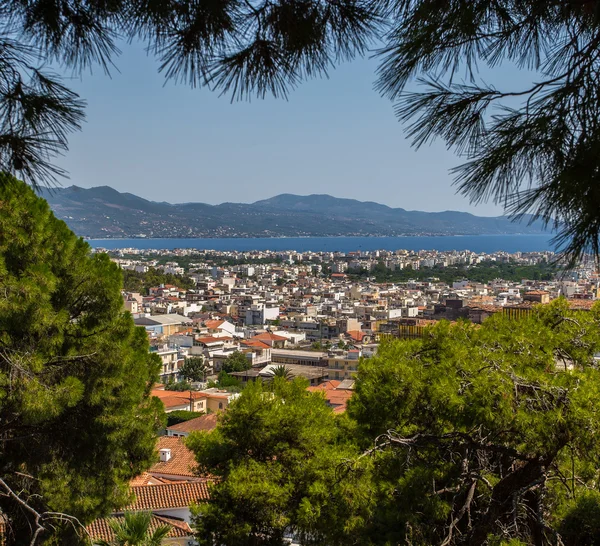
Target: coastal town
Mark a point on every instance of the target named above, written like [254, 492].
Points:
[319, 313]
[250, 316]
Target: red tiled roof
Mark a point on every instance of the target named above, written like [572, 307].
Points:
[336, 398]
[581, 305]
[255, 343]
[173, 399]
[181, 463]
[101, 530]
[204, 422]
[356, 335]
[211, 339]
[168, 495]
[148, 479]
[213, 324]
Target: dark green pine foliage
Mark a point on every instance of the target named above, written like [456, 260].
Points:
[485, 431]
[279, 455]
[473, 435]
[236, 362]
[76, 417]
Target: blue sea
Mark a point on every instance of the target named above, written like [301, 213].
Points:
[474, 243]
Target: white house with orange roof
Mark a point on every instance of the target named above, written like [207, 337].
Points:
[272, 340]
[219, 327]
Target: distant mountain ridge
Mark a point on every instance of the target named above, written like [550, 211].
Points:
[105, 212]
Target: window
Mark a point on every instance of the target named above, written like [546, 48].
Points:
[220, 405]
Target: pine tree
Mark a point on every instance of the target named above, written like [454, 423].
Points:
[484, 434]
[277, 453]
[76, 417]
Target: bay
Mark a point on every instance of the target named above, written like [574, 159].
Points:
[475, 243]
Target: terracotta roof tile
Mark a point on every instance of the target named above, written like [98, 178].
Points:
[168, 495]
[356, 335]
[581, 304]
[336, 398]
[212, 339]
[181, 463]
[172, 399]
[213, 324]
[268, 336]
[204, 422]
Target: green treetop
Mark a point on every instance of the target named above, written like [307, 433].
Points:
[76, 416]
[195, 368]
[277, 453]
[236, 362]
[475, 434]
[483, 431]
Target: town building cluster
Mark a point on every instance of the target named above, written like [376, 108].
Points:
[308, 311]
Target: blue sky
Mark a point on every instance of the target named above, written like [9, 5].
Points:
[174, 143]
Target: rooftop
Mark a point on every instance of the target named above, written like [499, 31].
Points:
[204, 422]
[181, 464]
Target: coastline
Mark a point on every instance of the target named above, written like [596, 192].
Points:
[474, 243]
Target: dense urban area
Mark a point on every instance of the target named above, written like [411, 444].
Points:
[320, 312]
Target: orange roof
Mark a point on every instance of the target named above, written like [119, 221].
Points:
[172, 399]
[148, 479]
[204, 422]
[336, 398]
[213, 324]
[581, 305]
[268, 336]
[209, 339]
[101, 530]
[356, 335]
[181, 463]
[168, 495]
[255, 343]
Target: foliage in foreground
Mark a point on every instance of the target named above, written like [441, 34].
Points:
[276, 453]
[76, 418]
[473, 435]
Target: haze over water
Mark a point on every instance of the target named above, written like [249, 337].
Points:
[475, 243]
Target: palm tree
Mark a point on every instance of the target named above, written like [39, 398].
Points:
[134, 530]
[283, 372]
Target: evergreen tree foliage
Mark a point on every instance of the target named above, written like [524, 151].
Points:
[76, 417]
[475, 434]
[236, 362]
[277, 453]
[195, 368]
[484, 431]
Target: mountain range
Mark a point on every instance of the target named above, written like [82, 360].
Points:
[103, 212]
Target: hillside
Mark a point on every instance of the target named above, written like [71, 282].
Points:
[104, 212]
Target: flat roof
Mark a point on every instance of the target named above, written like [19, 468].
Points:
[317, 355]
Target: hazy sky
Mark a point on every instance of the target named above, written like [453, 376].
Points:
[177, 144]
